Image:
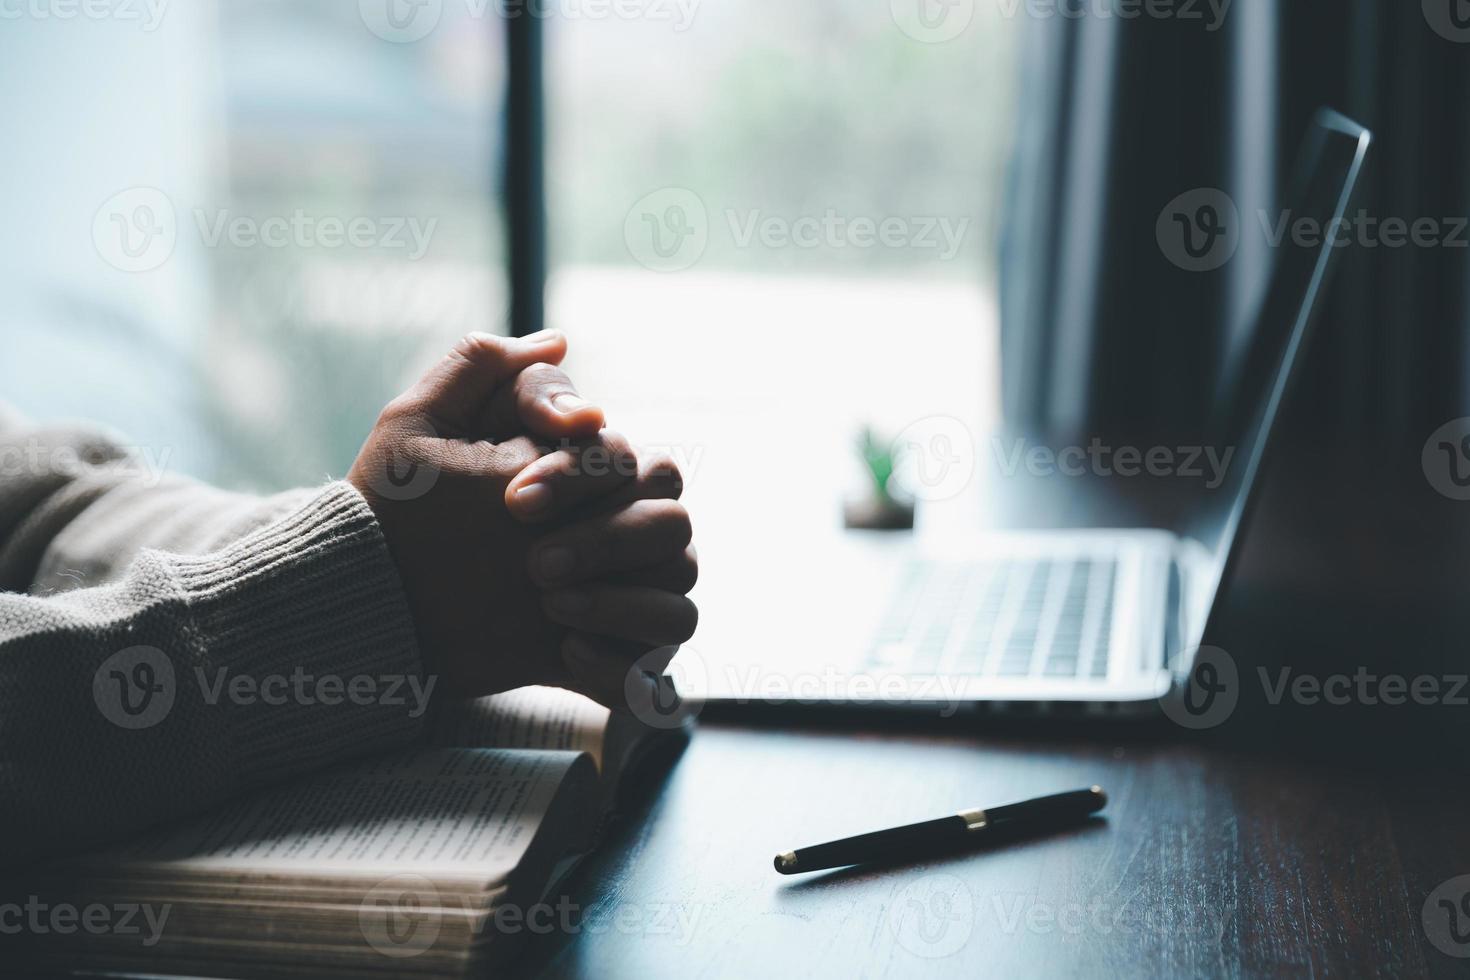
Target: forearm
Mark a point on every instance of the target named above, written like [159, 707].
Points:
[193, 678]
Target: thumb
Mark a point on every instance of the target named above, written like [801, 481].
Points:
[457, 388]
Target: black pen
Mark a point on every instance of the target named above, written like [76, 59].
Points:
[964, 829]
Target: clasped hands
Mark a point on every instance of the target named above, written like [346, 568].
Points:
[535, 545]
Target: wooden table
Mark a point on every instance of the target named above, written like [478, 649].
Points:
[1211, 863]
[1289, 842]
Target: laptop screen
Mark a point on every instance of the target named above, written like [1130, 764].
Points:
[1305, 241]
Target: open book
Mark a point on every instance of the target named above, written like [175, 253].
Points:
[431, 861]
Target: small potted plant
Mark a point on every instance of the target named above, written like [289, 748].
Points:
[883, 506]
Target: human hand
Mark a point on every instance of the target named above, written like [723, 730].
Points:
[456, 474]
[616, 572]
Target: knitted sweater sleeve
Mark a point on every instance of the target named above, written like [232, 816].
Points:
[165, 646]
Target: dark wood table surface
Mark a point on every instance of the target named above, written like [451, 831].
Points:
[1285, 843]
[1211, 863]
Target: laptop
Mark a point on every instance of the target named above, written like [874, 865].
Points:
[1091, 623]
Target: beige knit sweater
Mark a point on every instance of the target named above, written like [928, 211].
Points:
[165, 645]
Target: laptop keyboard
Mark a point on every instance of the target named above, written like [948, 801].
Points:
[1043, 618]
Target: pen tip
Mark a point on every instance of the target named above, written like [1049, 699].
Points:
[786, 863]
[1102, 798]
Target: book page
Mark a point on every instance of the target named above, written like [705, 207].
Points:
[528, 718]
[446, 814]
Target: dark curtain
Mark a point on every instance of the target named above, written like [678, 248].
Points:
[1101, 330]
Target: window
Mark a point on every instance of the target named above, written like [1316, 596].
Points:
[769, 222]
[773, 223]
[292, 208]
[325, 120]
